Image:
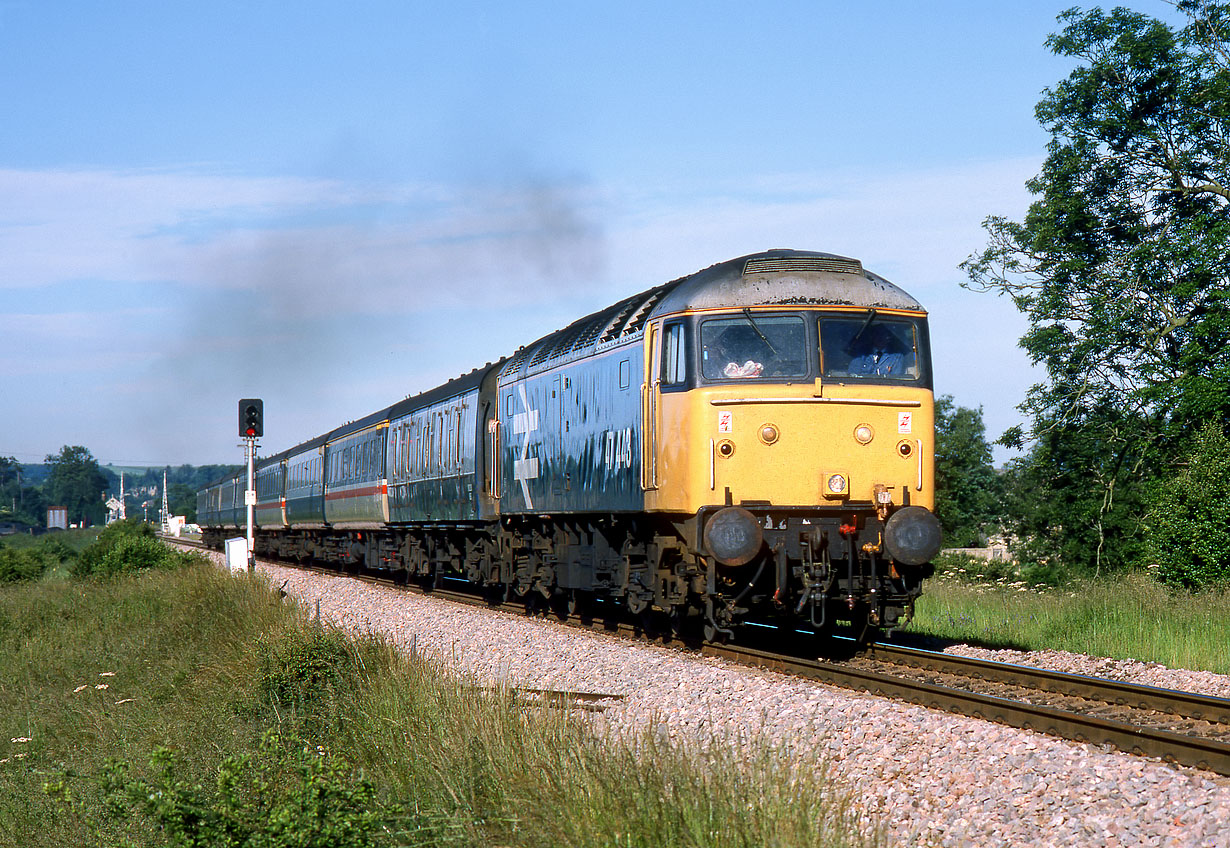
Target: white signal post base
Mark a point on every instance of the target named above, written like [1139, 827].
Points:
[249, 499]
[237, 554]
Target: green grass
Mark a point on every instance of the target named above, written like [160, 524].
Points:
[1129, 616]
[225, 711]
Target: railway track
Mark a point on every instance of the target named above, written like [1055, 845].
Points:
[1179, 727]
[1184, 728]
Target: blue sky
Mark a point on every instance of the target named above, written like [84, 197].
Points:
[334, 205]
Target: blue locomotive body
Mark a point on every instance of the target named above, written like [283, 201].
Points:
[571, 435]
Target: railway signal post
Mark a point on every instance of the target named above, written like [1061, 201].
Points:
[251, 427]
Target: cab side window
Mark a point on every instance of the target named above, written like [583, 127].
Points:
[674, 374]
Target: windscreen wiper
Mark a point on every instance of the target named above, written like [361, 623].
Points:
[871, 316]
[756, 327]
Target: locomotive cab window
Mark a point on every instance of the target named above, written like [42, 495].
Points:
[867, 347]
[674, 374]
[752, 346]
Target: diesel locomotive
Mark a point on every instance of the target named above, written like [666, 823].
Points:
[750, 443]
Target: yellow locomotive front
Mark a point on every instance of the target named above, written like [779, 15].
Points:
[789, 424]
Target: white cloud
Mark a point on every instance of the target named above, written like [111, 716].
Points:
[257, 260]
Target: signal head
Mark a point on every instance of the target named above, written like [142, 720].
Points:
[251, 418]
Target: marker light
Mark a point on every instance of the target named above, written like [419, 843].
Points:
[863, 434]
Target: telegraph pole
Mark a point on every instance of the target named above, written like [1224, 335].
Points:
[251, 427]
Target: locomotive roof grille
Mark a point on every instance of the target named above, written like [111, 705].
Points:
[613, 328]
[832, 265]
[638, 320]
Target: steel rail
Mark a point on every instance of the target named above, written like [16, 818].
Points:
[1191, 705]
[1201, 752]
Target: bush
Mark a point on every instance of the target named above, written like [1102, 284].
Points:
[1188, 527]
[18, 565]
[966, 568]
[90, 559]
[127, 547]
[293, 795]
[55, 551]
[300, 668]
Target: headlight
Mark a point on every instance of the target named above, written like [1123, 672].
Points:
[733, 536]
[836, 486]
[912, 535]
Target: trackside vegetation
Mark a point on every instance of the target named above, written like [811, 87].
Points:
[1128, 616]
[1121, 268]
[177, 705]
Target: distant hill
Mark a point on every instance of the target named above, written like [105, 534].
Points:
[136, 476]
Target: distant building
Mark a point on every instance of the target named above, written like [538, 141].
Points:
[57, 518]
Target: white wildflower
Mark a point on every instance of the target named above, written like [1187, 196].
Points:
[82, 686]
[102, 686]
[20, 739]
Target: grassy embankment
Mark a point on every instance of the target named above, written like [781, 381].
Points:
[234, 716]
[1128, 616]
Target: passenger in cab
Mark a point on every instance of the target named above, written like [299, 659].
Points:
[880, 354]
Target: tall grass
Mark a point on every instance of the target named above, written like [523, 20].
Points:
[1130, 616]
[225, 711]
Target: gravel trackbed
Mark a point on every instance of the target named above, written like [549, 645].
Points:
[929, 777]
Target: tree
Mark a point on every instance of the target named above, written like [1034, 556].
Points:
[78, 483]
[967, 489]
[1122, 266]
[1188, 526]
[182, 501]
[10, 486]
